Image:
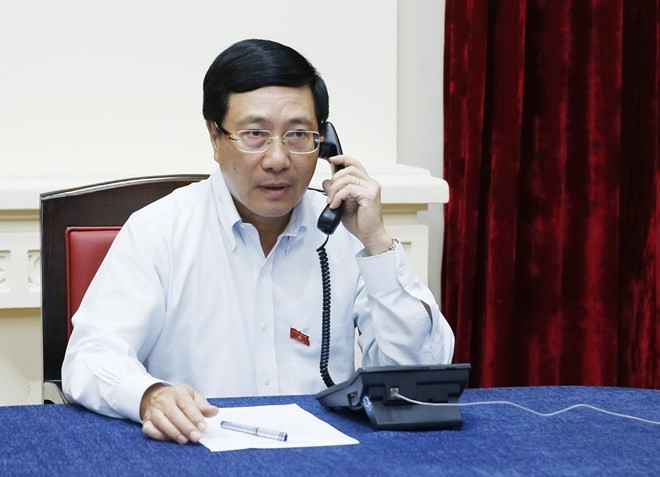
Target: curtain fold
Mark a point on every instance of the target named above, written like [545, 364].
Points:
[550, 270]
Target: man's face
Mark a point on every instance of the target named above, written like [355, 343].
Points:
[266, 185]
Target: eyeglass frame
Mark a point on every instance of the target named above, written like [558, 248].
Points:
[269, 140]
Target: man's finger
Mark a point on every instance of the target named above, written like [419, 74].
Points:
[206, 408]
[191, 412]
[177, 416]
[160, 428]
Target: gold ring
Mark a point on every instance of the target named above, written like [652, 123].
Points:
[358, 182]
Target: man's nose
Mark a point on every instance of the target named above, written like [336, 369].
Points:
[276, 156]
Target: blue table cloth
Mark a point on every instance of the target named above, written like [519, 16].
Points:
[495, 440]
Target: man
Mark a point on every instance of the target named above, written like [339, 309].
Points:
[216, 290]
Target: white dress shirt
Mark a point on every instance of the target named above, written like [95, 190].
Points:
[186, 295]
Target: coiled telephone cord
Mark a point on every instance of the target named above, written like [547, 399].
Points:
[325, 326]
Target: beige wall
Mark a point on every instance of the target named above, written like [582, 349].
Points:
[420, 107]
[20, 356]
[111, 90]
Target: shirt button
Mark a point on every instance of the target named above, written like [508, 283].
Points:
[264, 327]
[267, 381]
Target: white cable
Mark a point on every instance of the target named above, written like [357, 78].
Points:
[509, 403]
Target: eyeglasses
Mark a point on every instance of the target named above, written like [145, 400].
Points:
[258, 140]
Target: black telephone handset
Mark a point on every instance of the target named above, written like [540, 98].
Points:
[327, 223]
[330, 218]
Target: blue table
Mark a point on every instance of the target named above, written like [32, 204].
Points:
[495, 440]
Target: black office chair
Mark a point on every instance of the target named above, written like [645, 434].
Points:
[77, 227]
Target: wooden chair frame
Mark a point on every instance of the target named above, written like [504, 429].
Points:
[103, 204]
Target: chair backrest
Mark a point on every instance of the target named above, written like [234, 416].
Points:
[84, 249]
[77, 228]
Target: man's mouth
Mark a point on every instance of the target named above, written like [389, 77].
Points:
[275, 188]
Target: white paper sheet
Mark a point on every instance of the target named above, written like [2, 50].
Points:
[303, 429]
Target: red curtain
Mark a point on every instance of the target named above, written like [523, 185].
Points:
[551, 153]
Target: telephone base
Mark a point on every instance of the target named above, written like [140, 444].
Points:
[412, 416]
[377, 391]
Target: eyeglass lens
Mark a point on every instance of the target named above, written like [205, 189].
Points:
[255, 140]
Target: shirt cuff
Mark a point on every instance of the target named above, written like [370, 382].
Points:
[129, 395]
[386, 271]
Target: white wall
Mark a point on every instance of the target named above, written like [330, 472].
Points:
[420, 107]
[93, 87]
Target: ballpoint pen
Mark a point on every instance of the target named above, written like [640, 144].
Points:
[255, 431]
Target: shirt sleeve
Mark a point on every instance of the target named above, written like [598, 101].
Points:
[113, 330]
[398, 318]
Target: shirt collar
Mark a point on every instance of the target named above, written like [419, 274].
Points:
[227, 213]
[230, 220]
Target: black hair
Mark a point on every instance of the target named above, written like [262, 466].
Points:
[253, 64]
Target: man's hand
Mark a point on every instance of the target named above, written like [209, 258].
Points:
[174, 413]
[360, 194]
